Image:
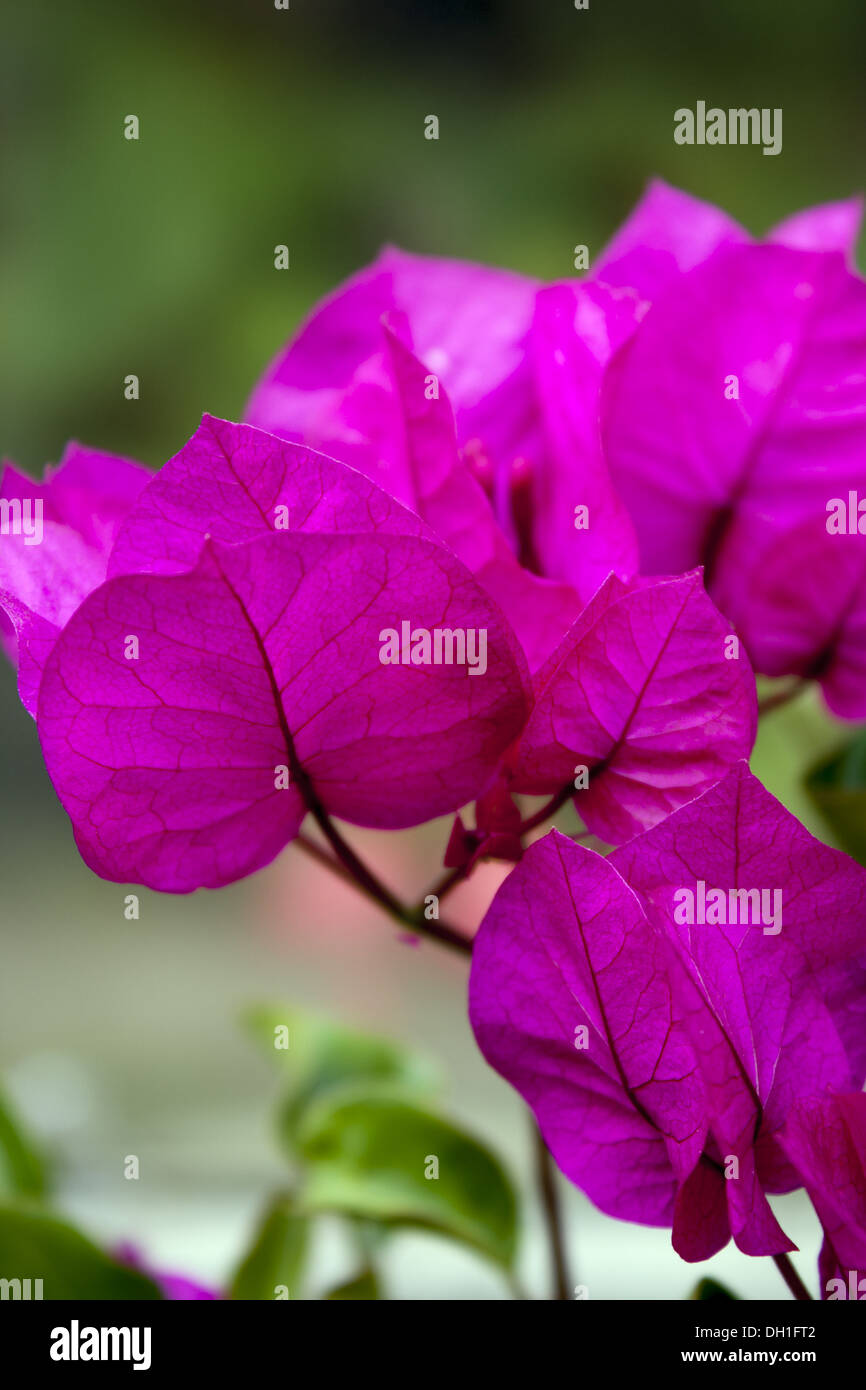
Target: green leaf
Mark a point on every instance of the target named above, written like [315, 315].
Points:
[837, 786]
[276, 1256]
[364, 1286]
[322, 1055]
[374, 1156]
[22, 1170]
[711, 1291]
[34, 1245]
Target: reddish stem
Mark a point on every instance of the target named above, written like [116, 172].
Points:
[349, 866]
[792, 1278]
[546, 1173]
[549, 809]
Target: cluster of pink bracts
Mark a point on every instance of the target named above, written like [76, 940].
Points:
[636, 488]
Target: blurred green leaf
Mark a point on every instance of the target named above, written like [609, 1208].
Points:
[36, 1246]
[711, 1291]
[276, 1256]
[364, 1286]
[376, 1156]
[322, 1055]
[837, 786]
[22, 1170]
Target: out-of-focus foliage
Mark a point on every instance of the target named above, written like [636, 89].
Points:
[36, 1245]
[22, 1167]
[364, 1286]
[373, 1156]
[276, 1257]
[837, 785]
[711, 1291]
[305, 127]
[321, 1054]
[356, 1127]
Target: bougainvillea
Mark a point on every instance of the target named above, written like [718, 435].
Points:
[825, 1138]
[663, 1049]
[481, 539]
[56, 539]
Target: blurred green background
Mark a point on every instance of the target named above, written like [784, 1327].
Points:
[155, 257]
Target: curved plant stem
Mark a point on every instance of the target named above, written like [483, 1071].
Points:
[321, 856]
[348, 866]
[443, 885]
[792, 1278]
[549, 809]
[546, 1173]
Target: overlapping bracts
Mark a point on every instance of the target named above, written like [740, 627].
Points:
[664, 1057]
[481, 537]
